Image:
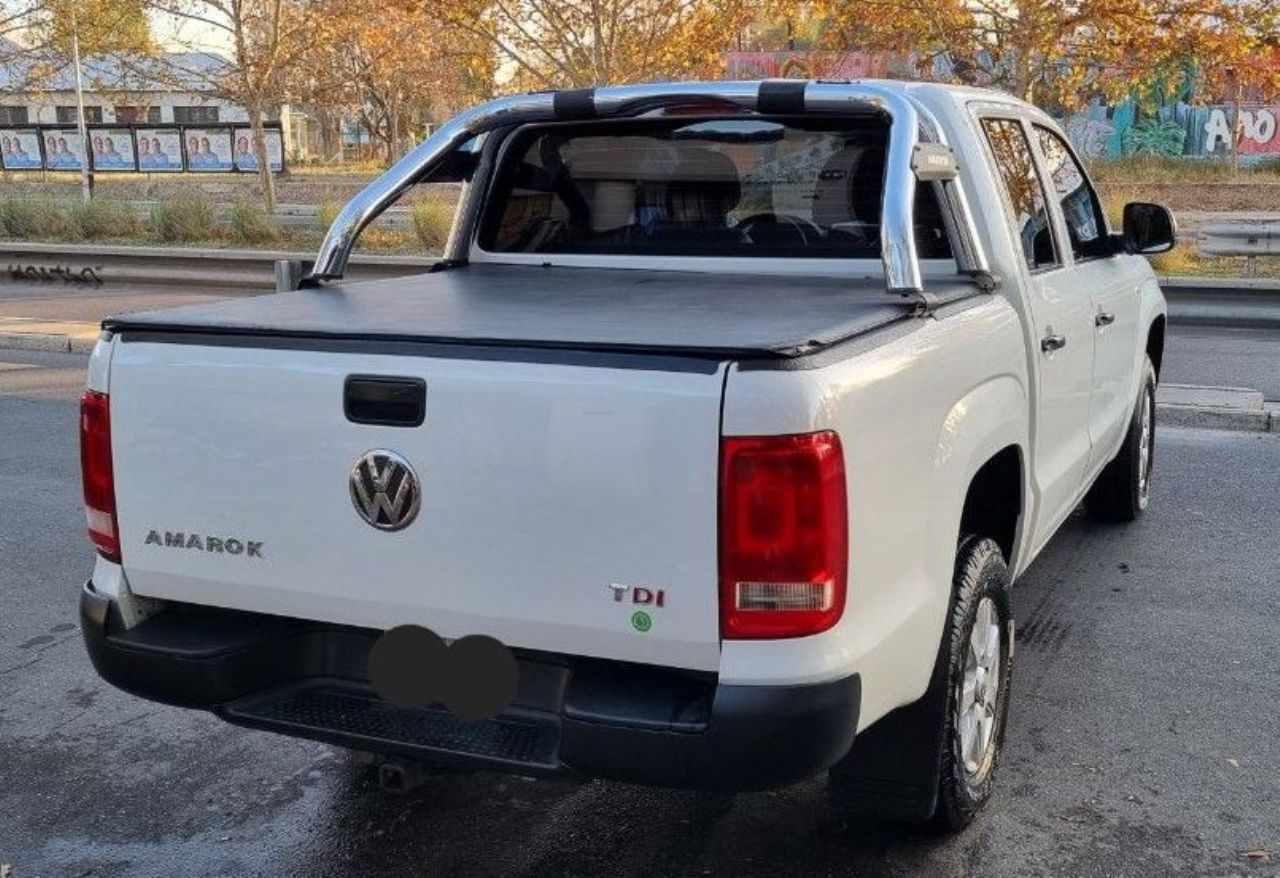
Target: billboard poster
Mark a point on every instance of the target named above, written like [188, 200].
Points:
[112, 149]
[247, 160]
[208, 149]
[63, 150]
[19, 149]
[160, 150]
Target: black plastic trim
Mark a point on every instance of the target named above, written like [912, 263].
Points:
[384, 400]
[637, 723]
[410, 347]
[781, 98]
[578, 103]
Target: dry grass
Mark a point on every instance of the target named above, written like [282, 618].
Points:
[35, 220]
[1151, 169]
[248, 224]
[103, 219]
[377, 239]
[339, 169]
[432, 222]
[327, 212]
[1184, 261]
[183, 220]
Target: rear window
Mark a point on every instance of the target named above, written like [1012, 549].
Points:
[706, 187]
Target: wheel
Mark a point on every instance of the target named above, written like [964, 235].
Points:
[1123, 487]
[932, 762]
[978, 653]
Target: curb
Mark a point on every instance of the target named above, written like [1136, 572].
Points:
[1215, 408]
[1205, 418]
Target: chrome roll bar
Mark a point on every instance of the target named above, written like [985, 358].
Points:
[910, 125]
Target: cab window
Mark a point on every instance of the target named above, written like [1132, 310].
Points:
[795, 187]
[1086, 225]
[1017, 169]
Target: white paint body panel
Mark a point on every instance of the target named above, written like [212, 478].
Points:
[542, 484]
[917, 417]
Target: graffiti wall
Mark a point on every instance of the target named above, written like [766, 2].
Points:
[1179, 129]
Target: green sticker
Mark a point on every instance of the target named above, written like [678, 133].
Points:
[640, 621]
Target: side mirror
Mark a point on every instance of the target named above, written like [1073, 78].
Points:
[1148, 228]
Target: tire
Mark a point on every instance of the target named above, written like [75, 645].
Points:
[928, 763]
[1123, 488]
[981, 600]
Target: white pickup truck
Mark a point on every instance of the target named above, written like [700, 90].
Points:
[711, 448]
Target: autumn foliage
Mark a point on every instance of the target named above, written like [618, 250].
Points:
[402, 64]
[1048, 51]
[574, 43]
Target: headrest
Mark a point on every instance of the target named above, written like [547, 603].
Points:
[705, 184]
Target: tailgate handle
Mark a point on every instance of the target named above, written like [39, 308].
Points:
[385, 400]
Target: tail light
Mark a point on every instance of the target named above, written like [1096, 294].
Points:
[95, 470]
[783, 535]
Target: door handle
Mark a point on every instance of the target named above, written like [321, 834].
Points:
[1104, 318]
[1051, 343]
[385, 400]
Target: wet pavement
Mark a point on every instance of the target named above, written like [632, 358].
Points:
[1144, 736]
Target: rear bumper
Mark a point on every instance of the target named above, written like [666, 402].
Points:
[571, 715]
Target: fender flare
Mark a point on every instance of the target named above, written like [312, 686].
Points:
[989, 418]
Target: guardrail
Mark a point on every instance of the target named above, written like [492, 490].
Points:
[93, 265]
[1250, 240]
[1226, 301]
[1193, 301]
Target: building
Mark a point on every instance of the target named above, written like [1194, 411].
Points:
[173, 88]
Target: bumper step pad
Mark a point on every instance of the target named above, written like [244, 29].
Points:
[349, 717]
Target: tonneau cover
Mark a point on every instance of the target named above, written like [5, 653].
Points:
[737, 315]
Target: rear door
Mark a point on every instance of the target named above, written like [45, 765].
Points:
[557, 497]
[1112, 281]
[1062, 312]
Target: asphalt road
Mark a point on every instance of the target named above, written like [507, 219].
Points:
[91, 302]
[1224, 358]
[1144, 736]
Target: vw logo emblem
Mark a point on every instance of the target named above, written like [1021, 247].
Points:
[385, 489]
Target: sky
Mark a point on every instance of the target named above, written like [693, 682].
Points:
[169, 31]
[180, 34]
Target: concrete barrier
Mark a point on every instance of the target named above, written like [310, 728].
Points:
[89, 264]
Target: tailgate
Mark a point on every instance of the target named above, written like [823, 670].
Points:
[543, 486]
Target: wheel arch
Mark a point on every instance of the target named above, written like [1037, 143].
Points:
[1155, 342]
[993, 503]
[983, 463]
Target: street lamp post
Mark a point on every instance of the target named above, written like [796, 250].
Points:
[86, 179]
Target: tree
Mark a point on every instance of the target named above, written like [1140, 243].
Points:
[266, 38]
[58, 33]
[103, 27]
[37, 35]
[576, 43]
[1053, 52]
[392, 69]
